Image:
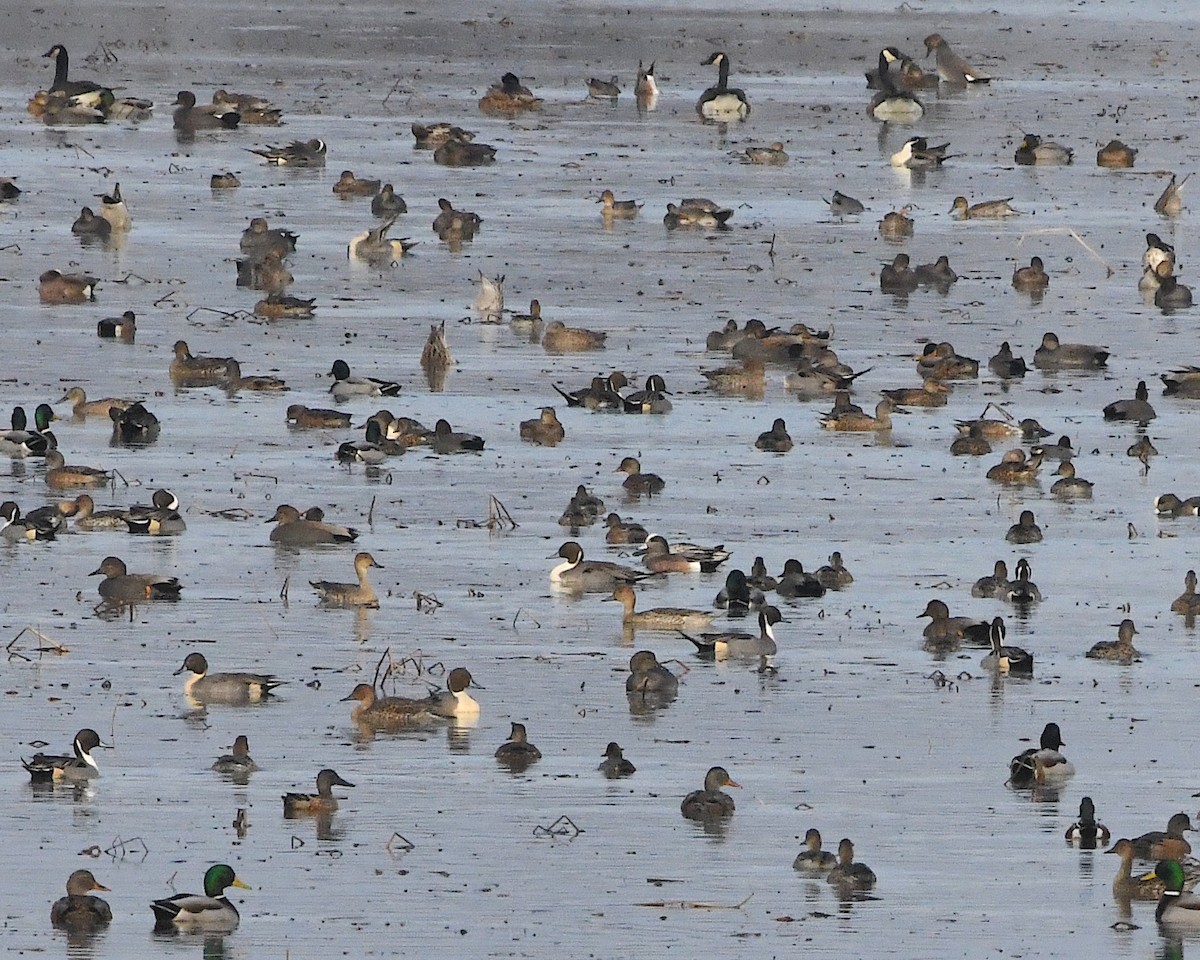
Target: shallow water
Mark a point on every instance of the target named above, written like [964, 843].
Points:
[851, 736]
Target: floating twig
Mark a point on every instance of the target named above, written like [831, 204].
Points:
[404, 846]
[1069, 231]
[694, 904]
[564, 826]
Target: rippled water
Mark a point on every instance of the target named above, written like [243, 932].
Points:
[851, 735]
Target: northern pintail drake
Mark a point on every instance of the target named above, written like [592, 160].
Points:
[1170, 201]
[228, 688]
[1005, 364]
[298, 153]
[994, 586]
[917, 154]
[896, 225]
[858, 422]
[661, 557]
[238, 763]
[624, 531]
[91, 228]
[517, 752]
[943, 628]
[636, 483]
[345, 386]
[508, 98]
[834, 575]
[16, 529]
[942, 362]
[737, 596]
[951, 67]
[375, 247]
[61, 476]
[295, 531]
[360, 594]
[454, 226]
[650, 400]
[208, 913]
[985, 210]
[447, 440]
[775, 440]
[78, 767]
[769, 156]
[1161, 844]
[1115, 155]
[697, 213]
[188, 370]
[544, 431]
[614, 766]
[559, 338]
[1033, 151]
[251, 107]
[795, 582]
[1022, 589]
[657, 618]
[1121, 650]
[348, 185]
[646, 88]
[1087, 831]
[748, 377]
[591, 576]
[80, 911]
[387, 203]
[931, 393]
[897, 277]
[81, 407]
[583, 509]
[55, 287]
[812, 859]
[1188, 602]
[1169, 505]
[1044, 764]
[489, 298]
[1070, 486]
[372, 710]
[848, 874]
[1004, 659]
[710, 802]
[188, 117]
[739, 644]
[431, 135]
[454, 702]
[722, 102]
[463, 153]
[650, 679]
[260, 238]
[604, 393]
[614, 209]
[1176, 908]
[1025, 530]
[1032, 279]
[603, 89]
[114, 210]
[1055, 355]
[323, 801]
[844, 205]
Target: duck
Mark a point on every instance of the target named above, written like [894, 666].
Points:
[375, 247]
[446, 440]
[298, 153]
[1044, 764]
[657, 618]
[775, 440]
[188, 370]
[79, 910]
[747, 377]
[591, 576]
[860, 422]
[646, 88]
[931, 393]
[1059, 450]
[972, 444]
[614, 766]
[848, 873]
[239, 762]
[88, 518]
[722, 102]
[1142, 449]
[895, 101]
[427, 136]
[360, 594]
[737, 596]
[985, 210]
[1169, 505]
[228, 688]
[188, 118]
[942, 362]
[758, 576]
[78, 767]
[60, 475]
[265, 272]
[624, 531]
[834, 575]
[1087, 831]
[1115, 155]
[1005, 364]
[453, 226]
[1171, 294]
[348, 185]
[652, 400]
[559, 338]
[649, 678]
[463, 153]
[372, 710]
[896, 225]
[844, 205]
[133, 426]
[794, 582]
[1170, 201]
[710, 802]
[603, 89]
[345, 386]
[160, 518]
[1125, 885]
[387, 203]
[508, 98]
[260, 238]
[583, 509]
[951, 67]
[1188, 602]
[1032, 279]
[81, 407]
[224, 180]
[1025, 530]
[1004, 659]
[613, 209]
[636, 483]
[1162, 844]
[89, 227]
[1022, 589]
[1034, 152]
[55, 287]
[544, 431]
[517, 752]
[1028, 429]
[14, 528]
[1070, 486]
[454, 702]
[210, 913]
[938, 274]
[769, 156]
[323, 801]
[993, 586]
[812, 859]
[738, 644]
[1121, 650]
[707, 216]
[114, 210]
[251, 107]
[1054, 355]
[917, 154]
[295, 531]
[896, 277]
[944, 628]
[661, 557]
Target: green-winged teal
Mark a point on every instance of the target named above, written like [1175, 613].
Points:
[812, 859]
[849, 873]
[1033, 151]
[239, 762]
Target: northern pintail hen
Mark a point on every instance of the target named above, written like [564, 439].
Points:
[657, 618]
[346, 386]
[517, 752]
[189, 118]
[323, 801]
[710, 802]
[1005, 659]
[1160, 844]
[188, 370]
[748, 377]
[649, 679]
[1087, 831]
[722, 102]
[120, 586]
[295, 530]
[1188, 602]
[298, 153]
[1025, 530]
[951, 67]
[636, 483]
[508, 98]
[812, 859]
[559, 338]
[374, 246]
[614, 765]
[76, 768]
[237, 763]
[858, 422]
[372, 710]
[81, 407]
[360, 594]
[1034, 152]
[943, 628]
[115, 211]
[348, 185]
[591, 576]
[931, 393]
[985, 210]
[489, 299]
[1044, 764]
[739, 644]
[228, 688]
[661, 557]
[79, 910]
[544, 431]
[210, 912]
[1121, 650]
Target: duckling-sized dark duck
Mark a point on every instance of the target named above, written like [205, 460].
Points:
[517, 753]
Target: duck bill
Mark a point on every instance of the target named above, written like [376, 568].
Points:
[734, 783]
[239, 883]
